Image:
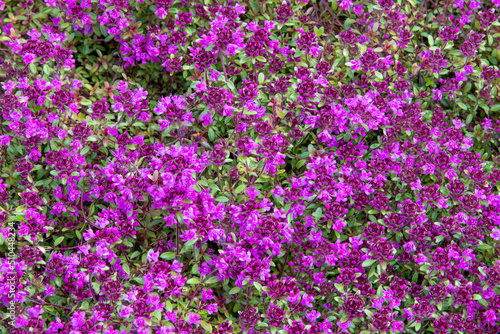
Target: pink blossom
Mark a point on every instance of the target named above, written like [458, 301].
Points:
[193, 319]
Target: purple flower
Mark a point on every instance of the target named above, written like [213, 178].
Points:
[78, 319]
[438, 94]
[345, 4]
[313, 315]
[458, 123]
[252, 193]
[490, 316]
[126, 312]
[193, 319]
[496, 234]
[211, 308]
[29, 58]
[153, 256]
[344, 326]
[356, 65]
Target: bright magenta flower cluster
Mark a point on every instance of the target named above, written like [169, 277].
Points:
[268, 166]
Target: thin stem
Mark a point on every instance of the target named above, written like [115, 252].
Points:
[223, 66]
[177, 237]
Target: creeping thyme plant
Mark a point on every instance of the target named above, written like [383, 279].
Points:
[261, 166]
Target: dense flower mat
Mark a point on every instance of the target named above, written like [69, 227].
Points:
[179, 166]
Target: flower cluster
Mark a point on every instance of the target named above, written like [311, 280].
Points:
[250, 167]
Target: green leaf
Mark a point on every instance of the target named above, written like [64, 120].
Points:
[85, 102]
[368, 263]
[126, 268]
[255, 6]
[92, 209]
[467, 88]
[58, 241]
[222, 199]
[97, 286]
[262, 59]
[189, 243]
[104, 32]
[431, 40]
[85, 305]
[379, 75]
[211, 280]
[168, 255]
[234, 290]
[417, 326]
[156, 315]
[318, 213]
[85, 150]
[211, 134]
[345, 318]
[206, 326]
[193, 280]
[262, 77]
[128, 243]
[239, 189]
[300, 164]
[46, 69]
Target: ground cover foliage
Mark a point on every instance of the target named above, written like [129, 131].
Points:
[179, 166]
